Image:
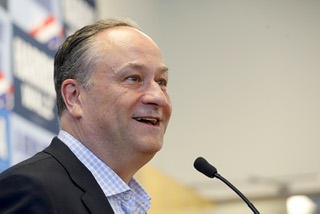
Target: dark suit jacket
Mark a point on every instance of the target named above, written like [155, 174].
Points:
[52, 181]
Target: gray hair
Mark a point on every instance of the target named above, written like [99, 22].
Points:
[77, 56]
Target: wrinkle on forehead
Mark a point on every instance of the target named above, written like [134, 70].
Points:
[138, 66]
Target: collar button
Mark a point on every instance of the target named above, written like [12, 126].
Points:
[126, 197]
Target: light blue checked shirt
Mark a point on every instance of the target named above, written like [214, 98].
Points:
[123, 198]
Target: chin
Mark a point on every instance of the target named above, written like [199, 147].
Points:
[152, 148]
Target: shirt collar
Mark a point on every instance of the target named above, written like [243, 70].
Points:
[113, 184]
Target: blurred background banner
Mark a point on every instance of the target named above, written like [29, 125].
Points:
[41, 19]
[4, 140]
[6, 88]
[78, 13]
[34, 98]
[30, 33]
[3, 4]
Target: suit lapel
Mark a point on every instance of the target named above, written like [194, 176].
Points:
[93, 196]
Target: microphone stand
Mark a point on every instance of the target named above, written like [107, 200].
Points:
[250, 205]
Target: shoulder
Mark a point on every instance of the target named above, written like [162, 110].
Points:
[34, 186]
[23, 192]
[32, 174]
[42, 164]
[32, 166]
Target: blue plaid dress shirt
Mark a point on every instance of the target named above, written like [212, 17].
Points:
[123, 198]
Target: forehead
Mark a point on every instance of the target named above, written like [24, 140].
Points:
[124, 37]
[123, 33]
[161, 69]
[127, 46]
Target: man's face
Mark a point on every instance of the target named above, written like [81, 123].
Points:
[127, 106]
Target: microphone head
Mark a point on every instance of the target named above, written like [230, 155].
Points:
[204, 167]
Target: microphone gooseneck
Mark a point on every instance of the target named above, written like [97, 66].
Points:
[207, 169]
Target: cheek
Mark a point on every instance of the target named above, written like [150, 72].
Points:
[95, 105]
[168, 108]
[111, 106]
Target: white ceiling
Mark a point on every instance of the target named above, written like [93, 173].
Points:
[245, 87]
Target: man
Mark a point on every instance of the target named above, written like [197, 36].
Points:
[113, 105]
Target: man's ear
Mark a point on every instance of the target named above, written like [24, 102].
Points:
[70, 91]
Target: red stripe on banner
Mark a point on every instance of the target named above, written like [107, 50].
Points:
[47, 22]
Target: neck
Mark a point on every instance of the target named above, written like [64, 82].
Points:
[126, 168]
[124, 163]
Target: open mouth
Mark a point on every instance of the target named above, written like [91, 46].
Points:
[152, 121]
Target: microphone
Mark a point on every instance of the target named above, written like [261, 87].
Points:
[207, 169]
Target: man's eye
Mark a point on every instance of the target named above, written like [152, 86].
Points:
[162, 82]
[134, 78]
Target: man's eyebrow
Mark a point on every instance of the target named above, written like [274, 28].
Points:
[165, 69]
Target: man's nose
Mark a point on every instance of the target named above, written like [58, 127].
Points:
[155, 95]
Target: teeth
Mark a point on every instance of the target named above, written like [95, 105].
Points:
[150, 120]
